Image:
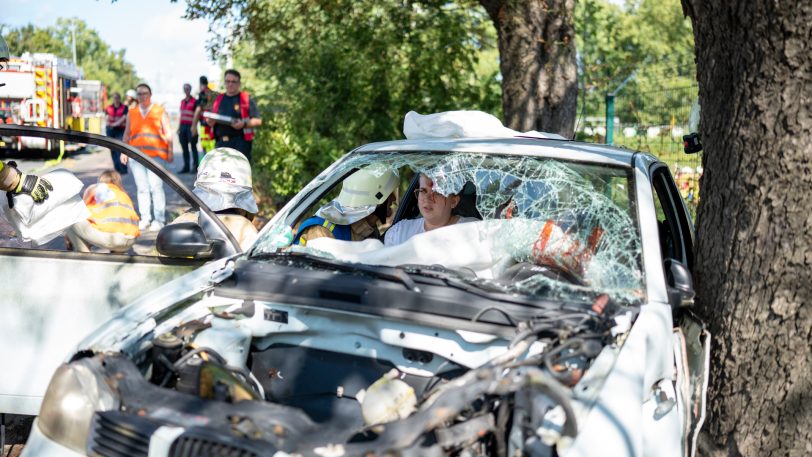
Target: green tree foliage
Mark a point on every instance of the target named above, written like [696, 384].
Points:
[93, 55]
[333, 74]
[649, 39]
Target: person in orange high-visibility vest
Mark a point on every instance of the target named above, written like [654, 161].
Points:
[149, 130]
[113, 222]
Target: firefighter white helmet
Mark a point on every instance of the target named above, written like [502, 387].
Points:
[368, 186]
[360, 194]
[130, 93]
[224, 181]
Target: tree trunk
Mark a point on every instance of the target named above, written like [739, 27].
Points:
[537, 60]
[754, 232]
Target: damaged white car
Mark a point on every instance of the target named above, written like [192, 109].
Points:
[557, 322]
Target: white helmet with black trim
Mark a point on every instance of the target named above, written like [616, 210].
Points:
[360, 195]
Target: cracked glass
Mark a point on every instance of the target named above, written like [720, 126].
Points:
[549, 228]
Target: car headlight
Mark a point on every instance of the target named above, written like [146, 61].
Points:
[77, 390]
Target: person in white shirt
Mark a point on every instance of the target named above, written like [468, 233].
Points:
[435, 209]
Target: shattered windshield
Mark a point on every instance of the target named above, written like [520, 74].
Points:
[534, 226]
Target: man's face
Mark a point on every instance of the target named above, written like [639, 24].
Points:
[187, 89]
[232, 84]
[117, 99]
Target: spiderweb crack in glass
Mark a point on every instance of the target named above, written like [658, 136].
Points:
[573, 217]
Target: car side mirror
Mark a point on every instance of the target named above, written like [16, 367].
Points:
[680, 284]
[186, 239]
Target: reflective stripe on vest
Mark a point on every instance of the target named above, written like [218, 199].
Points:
[115, 215]
[145, 132]
[245, 109]
[187, 111]
[326, 224]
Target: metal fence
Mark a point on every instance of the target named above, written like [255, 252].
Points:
[648, 121]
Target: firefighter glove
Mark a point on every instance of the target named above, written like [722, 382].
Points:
[34, 186]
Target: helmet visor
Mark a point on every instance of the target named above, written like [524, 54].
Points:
[344, 215]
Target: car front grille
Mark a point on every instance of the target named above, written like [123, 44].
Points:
[195, 446]
[115, 434]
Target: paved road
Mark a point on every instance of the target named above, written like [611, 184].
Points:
[87, 164]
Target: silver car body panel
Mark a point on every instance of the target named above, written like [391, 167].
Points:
[624, 402]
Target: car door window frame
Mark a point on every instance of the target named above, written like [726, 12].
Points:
[115, 145]
[666, 193]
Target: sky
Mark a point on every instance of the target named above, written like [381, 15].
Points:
[166, 50]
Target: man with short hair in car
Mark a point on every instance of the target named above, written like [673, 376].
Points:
[13, 180]
[365, 199]
[436, 211]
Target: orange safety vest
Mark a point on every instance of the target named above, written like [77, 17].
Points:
[187, 110]
[145, 133]
[247, 133]
[113, 215]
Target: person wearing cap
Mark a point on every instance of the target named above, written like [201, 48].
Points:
[205, 101]
[436, 211]
[225, 185]
[365, 199]
[131, 99]
[238, 105]
[113, 222]
[12, 180]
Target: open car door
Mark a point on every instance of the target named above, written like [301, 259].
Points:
[51, 299]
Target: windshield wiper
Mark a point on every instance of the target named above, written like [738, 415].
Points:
[465, 280]
[390, 273]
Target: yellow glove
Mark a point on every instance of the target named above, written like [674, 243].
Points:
[32, 185]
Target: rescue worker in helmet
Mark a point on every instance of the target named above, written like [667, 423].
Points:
[225, 184]
[365, 199]
[13, 180]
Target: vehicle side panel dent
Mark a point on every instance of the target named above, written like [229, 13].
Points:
[624, 418]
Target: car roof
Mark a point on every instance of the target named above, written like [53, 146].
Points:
[536, 147]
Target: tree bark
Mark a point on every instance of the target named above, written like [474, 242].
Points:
[754, 223]
[537, 61]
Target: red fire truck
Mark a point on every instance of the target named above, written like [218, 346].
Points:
[48, 91]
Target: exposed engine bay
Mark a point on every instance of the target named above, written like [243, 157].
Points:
[265, 378]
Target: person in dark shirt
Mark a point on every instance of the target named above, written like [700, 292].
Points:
[205, 100]
[239, 134]
[188, 142]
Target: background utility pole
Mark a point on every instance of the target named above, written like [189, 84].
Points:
[610, 109]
